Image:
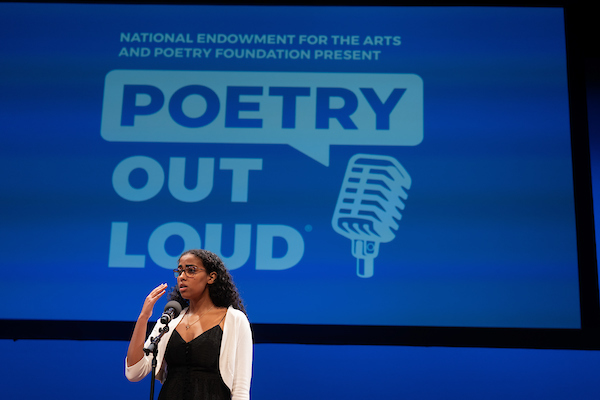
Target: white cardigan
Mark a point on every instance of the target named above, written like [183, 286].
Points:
[235, 360]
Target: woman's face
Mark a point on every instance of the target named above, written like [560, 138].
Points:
[193, 283]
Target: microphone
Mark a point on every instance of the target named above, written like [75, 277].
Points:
[172, 310]
[369, 205]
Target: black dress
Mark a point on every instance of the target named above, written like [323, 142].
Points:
[193, 368]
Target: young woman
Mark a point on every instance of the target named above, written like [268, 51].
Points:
[207, 352]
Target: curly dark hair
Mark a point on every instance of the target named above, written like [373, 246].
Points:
[222, 291]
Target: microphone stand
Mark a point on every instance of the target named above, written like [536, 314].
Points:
[153, 348]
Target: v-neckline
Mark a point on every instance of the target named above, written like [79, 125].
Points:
[186, 342]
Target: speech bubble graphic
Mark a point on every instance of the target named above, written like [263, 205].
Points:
[308, 111]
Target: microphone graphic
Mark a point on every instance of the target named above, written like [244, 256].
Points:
[369, 205]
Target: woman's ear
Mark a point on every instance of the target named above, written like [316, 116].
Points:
[212, 277]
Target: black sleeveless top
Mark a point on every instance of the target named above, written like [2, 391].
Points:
[193, 368]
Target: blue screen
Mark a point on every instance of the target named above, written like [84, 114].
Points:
[396, 166]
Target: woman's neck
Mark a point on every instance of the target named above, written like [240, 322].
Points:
[200, 305]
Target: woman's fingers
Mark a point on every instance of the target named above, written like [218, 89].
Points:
[156, 293]
[152, 298]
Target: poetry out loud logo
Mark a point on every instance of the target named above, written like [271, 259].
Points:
[369, 205]
[308, 111]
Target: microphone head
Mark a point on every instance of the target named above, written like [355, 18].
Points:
[175, 305]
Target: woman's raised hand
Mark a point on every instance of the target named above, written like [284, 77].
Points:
[151, 300]
[135, 351]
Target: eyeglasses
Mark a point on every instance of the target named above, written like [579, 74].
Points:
[189, 270]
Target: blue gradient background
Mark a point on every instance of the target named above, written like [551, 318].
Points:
[487, 238]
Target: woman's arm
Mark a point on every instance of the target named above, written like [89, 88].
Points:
[243, 362]
[135, 352]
